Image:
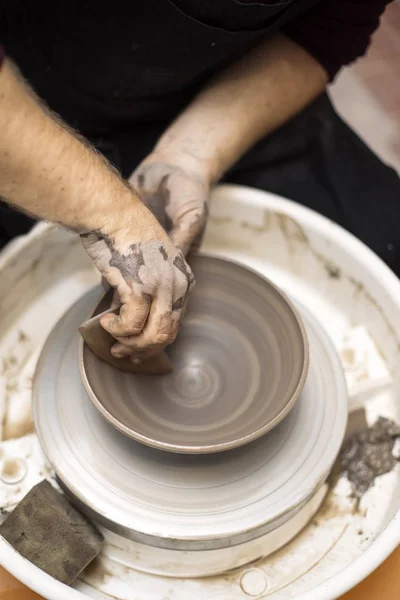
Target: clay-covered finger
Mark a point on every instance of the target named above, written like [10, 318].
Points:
[161, 333]
[161, 327]
[116, 301]
[131, 319]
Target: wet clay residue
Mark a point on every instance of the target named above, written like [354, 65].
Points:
[369, 453]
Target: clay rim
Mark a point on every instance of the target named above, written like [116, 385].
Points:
[224, 446]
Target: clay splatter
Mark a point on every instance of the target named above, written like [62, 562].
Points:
[369, 453]
[128, 265]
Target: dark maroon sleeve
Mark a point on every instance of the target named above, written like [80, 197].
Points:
[2, 55]
[336, 32]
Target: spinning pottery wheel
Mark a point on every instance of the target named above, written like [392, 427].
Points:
[186, 502]
[345, 287]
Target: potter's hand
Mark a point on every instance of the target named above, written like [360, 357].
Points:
[151, 278]
[176, 191]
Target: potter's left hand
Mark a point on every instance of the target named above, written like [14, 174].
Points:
[176, 191]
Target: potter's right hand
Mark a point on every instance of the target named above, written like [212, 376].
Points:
[151, 278]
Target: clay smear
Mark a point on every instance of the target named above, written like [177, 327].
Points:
[370, 453]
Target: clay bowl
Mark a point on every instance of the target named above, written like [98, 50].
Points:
[240, 363]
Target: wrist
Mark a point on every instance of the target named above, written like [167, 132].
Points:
[128, 221]
[111, 207]
[186, 155]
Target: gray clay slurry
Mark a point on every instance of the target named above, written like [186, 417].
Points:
[369, 453]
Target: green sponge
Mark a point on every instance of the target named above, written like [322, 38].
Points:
[45, 529]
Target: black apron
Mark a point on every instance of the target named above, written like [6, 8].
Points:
[121, 74]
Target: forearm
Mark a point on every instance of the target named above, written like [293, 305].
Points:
[47, 171]
[243, 104]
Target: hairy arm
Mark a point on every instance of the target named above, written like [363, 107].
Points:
[242, 105]
[238, 107]
[48, 172]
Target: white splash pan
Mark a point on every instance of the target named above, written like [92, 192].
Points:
[353, 294]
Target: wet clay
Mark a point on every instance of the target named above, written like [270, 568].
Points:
[369, 453]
